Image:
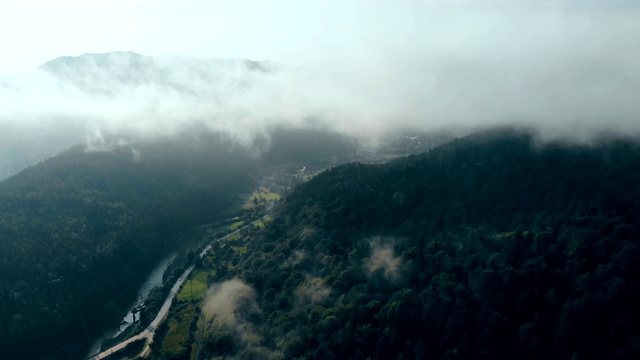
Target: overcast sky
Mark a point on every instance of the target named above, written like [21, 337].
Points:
[34, 32]
[568, 67]
[297, 32]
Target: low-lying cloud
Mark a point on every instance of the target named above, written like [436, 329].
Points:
[383, 259]
[566, 68]
[231, 302]
[312, 291]
[297, 257]
[229, 305]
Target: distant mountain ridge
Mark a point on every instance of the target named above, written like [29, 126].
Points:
[63, 96]
[109, 72]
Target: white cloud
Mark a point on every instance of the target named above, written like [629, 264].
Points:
[362, 68]
[383, 258]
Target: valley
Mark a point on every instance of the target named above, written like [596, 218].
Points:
[320, 180]
[364, 255]
[112, 215]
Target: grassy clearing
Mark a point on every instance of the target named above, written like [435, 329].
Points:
[175, 342]
[234, 237]
[308, 176]
[236, 225]
[196, 286]
[262, 222]
[239, 249]
[263, 194]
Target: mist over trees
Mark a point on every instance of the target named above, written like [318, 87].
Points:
[491, 246]
[518, 244]
[79, 224]
[80, 231]
[561, 81]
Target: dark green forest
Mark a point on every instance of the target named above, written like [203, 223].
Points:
[490, 246]
[80, 232]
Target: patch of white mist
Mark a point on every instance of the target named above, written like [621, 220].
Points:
[383, 259]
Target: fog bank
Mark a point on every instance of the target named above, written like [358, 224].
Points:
[568, 69]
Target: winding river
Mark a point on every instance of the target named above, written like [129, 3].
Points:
[154, 279]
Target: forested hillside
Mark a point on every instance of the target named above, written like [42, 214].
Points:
[490, 246]
[80, 231]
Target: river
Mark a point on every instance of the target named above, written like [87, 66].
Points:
[154, 279]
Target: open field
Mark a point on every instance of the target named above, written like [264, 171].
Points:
[196, 286]
[176, 339]
[239, 249]
[263, 194]
[235, 225]
[262, 222]
[308, 176]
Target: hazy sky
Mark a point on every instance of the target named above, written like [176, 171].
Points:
[34, 32]
[568, 67]
[297, 32]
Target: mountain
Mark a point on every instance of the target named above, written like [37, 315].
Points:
[129, 97]
[70, 100]
[80, 230]
[490, 246]
[115, 72]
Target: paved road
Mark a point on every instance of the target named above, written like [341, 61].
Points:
[208, 248]
[150, 330]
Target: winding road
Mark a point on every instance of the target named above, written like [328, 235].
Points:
[149, 331]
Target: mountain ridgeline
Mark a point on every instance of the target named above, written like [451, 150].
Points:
[490, 246]
[112, 91]
[80, 231]
[110, 73]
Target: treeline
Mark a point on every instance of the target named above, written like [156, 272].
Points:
[491, 246]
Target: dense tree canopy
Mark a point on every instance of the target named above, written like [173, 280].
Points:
[491, 246]
[80, 231]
